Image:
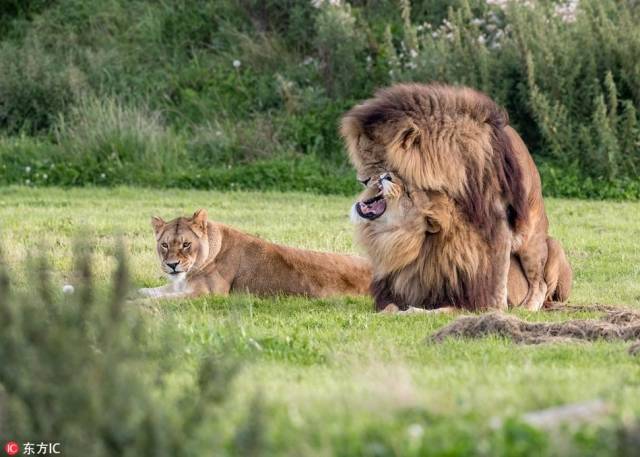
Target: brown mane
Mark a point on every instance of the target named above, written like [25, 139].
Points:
[454, 146]
[456, 132]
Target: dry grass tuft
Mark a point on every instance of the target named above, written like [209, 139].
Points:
[616, 324]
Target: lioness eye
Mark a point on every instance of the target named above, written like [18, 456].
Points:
[164, 245]
[364, 182]
[186, 245]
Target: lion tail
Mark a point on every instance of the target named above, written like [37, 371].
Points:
[558, 273]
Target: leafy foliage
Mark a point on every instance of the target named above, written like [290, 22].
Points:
[230, 85]
[87, 371]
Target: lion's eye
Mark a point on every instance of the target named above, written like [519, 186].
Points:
[364, 182]
[186, 245]
[164, 245]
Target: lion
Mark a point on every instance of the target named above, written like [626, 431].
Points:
[204, 257]
[417, 243]
[455, 142]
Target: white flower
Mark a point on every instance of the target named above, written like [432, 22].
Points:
[44, 176]
[482, 39]
[27, 169]
[321, 3]
[567, 11]
[498, 3]
[413, 53]
[102, 175]
[236, 63]
[415, 431]
[68, 289]
[27, 181]
[307, 61]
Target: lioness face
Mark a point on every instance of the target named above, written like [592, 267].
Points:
[181, 243]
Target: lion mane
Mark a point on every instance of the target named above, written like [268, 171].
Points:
[449, 142]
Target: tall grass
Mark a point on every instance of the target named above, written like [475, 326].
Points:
[226, 85]
[108, 136]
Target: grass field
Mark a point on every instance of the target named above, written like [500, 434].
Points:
[337, 379]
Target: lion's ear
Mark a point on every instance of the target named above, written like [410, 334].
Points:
[403, 137]
[409, 137]
[432, 225]
[199, 220]
[157, 223]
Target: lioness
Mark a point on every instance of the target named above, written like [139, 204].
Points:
[205, 257]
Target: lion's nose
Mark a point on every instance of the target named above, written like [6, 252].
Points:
[173, 265]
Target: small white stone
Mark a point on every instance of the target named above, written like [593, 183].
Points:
[68, 289]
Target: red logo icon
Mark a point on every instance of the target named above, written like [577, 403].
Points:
[12, 448]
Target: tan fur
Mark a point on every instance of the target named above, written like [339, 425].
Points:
[215, 258]
[454, 145]
[418, 249]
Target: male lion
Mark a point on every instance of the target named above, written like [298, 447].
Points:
[203, 257]
[454, 143]
[417, 241]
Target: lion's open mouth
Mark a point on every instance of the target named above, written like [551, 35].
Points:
[372, 208]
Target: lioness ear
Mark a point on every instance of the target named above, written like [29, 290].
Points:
[199, 220]
[157, 223]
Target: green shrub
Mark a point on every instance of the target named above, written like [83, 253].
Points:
[98, 376]
[565, 76]
[228, 83]
[106, 137]
[35, 87]
[340, 48]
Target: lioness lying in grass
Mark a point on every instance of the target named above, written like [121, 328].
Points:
[204, 257]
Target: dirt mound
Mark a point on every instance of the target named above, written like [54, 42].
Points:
[616, 324]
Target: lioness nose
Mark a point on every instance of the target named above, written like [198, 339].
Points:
[173, 265]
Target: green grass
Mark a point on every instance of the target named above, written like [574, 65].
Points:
[335, 378]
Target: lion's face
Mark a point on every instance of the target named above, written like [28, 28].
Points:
[384, 194]
[181, 243]
[393, 222]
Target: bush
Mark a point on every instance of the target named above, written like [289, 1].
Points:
[105, 137]
[97, 375]
[35, 87]
[237, 83]
[574, 104]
